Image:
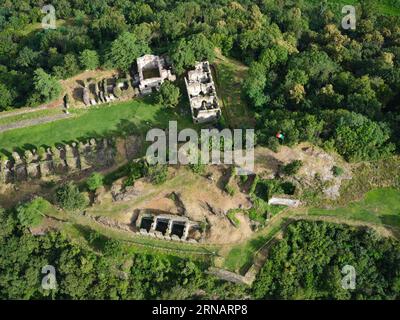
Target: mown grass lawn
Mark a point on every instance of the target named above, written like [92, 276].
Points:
[132, 117]
[380, 206]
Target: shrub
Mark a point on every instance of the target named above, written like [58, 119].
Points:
[136, 170]
[95, 181]
[257, 215]
[157, 173]
[288, 188]
[232, 217]
[273, 144]
[169, 95]
[89, 59]
[292, 168]
[197, 168]
[69, 197]
[230, 190]
[337, 171]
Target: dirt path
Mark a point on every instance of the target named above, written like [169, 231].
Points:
[17, 112]
[32, 122]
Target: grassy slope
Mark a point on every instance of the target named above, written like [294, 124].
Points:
[380, 206]
[135, 116]
[229, 76]
[78, 227]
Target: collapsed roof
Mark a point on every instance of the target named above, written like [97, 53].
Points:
[202, 94]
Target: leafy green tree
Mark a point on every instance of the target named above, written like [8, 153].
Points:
[255, 83]
[27, 57]
[203, 48]
[140, 12]
[69, 197]
[31, 214]
[46, 86]
[182, 56]
[69, 68]
[8, 223]
[6, 98]
[108, 24]
[316, 64]
[95, 181]
[358, 138]
[126, 49]
[185, 53]
[135, 170]
[169, 95]
[89, 59]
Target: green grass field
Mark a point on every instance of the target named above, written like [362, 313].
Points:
[380, 206]
[229, 76]
[136, 116]
[241, 256]
[29, 116]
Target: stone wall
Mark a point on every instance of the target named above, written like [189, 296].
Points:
[169, 220]
[61, 160]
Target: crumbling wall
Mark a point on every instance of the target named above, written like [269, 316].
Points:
[60, 160]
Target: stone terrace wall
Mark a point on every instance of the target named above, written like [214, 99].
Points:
[65, 159]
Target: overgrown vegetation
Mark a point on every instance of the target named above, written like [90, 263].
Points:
[156, 174]
[292, 168]
[31, 214]
[108, 270]
[95, 181]
[305, 79]
[70, 198]
[307, 264]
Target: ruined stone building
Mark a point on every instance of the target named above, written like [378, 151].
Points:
[66, 159]
[202, 94]
[167, 226]
[152, 72]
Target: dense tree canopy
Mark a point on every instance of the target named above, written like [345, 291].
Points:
[169, 95]
[126, 49]
[307, 264]
[89, 59]
[301, 61]
[46, 87]
[106, 269]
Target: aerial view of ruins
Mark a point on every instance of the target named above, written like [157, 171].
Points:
[200, 150]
